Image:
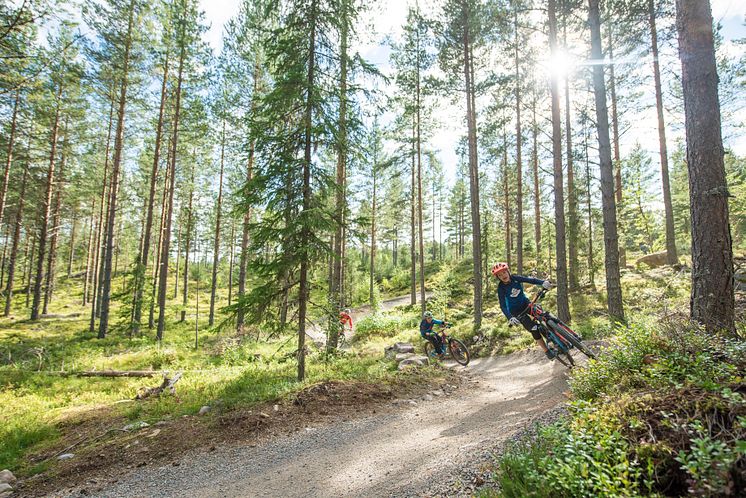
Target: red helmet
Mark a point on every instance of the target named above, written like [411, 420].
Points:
[500, 267]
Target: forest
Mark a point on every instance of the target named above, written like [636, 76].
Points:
[203, 189]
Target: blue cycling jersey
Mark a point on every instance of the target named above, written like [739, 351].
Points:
[427, 328]
[512, 298]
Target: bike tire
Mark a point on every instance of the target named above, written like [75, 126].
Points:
[559, 358]
[430, 352]
[459, 352]
[567, 334]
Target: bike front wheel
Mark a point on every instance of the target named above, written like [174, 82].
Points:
[459, 352]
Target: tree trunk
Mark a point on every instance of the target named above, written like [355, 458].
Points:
[518, 152]
[230, 263]
[563, 303]
[166, 229]
[506, 201]
[305, 235]
[591, 270]
[617, 165]
[611, 244]
[471, 119]
[71, 252]
[54, 236]
[103, 326]
[30, 268]
[373, 230]
[145, 250]
[89, 253]
[672, 257]
[572, 198]
[216, 248]
[9, 159]
[712, 299]
[187, 245]
[413, 220]
[159, 246]
[244, 259]
[421, 247]
[43, 232]
[537, 190]
[16, 241]
[100, 225]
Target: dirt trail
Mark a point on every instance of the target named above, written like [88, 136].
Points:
[408, 450]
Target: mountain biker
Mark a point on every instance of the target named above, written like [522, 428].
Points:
[427, 332]
[345, 318]
[514, 303]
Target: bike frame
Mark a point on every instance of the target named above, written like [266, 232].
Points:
[536, 312]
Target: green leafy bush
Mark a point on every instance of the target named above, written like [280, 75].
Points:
[379, 324]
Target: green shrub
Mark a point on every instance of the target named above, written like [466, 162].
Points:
[379, 324]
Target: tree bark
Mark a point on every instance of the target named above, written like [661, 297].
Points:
[16, 241]
[506, 201]
[89, 253]
[166, 229]
[43, 233]
[413, 220]
[672, 257]
[572, 197]
[611, 243]
[216, 247]
[187, 245]
[518, 152]
[71, 252]
[9, 159]
[471, 119]
[230, 264]
[30, 269]
[420, 221]
[103, 326]
[537, 189]
[305, 235]
[145, 250]
[617, 165]
[712, 299]
[563, 303]
[54, 236]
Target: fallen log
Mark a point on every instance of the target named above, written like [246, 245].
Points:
[116, 373]
[168, 384]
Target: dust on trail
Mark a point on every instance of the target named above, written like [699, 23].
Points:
[405, 451]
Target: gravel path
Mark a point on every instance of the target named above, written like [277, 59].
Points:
[422, 447]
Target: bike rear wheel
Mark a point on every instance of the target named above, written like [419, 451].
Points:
[566, 333]
[459, 351]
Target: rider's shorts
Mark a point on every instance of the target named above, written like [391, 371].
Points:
[530, 325]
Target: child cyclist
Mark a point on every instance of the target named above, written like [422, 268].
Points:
[427, 332]
[345, 318]
[514, 303]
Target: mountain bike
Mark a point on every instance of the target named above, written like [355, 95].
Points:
[454, 348]
[558, 336]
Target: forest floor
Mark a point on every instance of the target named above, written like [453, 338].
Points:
[429, 441]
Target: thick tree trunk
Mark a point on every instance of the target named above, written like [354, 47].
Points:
[471, 119]
[305, 235]
[145, 249]
[103, 326]
[563, 303]
[672, 257]
[166, 228]
[617, 165]
[712, 299]
[611, 243]
[9, 158]
[16, 241]
[216, 246]
[47, 206]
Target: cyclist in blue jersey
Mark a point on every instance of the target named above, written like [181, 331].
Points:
[514, 303]
[427, 332]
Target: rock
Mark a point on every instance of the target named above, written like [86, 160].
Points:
[204, 410]
[5, 489]
[403, 356]
[263, 415]
[437, 392]
[66, 456]
[427, 397]
[276, 408]
[7, 477]
[740, 280]
[653, 260]
[413, 361]
[136, 425]
[403, 347]
[154, 433]
[389, 353]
